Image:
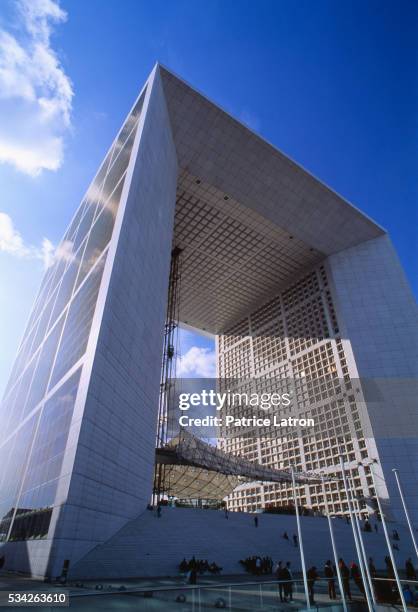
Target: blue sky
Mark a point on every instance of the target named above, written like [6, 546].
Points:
[332, 84]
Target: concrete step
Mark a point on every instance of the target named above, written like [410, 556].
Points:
[152, 546]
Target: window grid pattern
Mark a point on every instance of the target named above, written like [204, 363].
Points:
[244, 255]
[293, 343]
[238, 361]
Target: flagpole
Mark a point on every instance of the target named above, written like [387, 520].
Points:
[302, 555]
[334, 548]
[356, 543]
[408, 520]
[389, 545]
[362, 548]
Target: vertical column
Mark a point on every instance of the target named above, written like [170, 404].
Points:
[379, 317]
[112, 472]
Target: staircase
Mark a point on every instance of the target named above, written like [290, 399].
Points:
[151, 546]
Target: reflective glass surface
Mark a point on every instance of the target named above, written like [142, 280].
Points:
[85, 224]
[43, 470]
[55, 340]
[66, 287]
[43, 368]
[43, 323]
[22, 390]
[13, 457]
[77, 326]
[99, 237]
[72, 230]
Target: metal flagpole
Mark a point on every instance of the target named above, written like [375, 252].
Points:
[356, 543]
[334, 548]
[408, 520]
[302, 556]
[389, 545]
[363, 550]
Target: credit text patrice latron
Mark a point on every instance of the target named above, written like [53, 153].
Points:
[222, 401]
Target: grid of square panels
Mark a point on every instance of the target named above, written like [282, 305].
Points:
[232, 257]
[307, 324]
[293, 340]
[234, 334]
[265, 318]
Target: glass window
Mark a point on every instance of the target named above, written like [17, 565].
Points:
[24, 352]
[28, 525]
[43, 469]
[60, 264]
[52, 434]
[21, 360]
[129, 124]
[77, 327]
[92, 200]
[89, 233]
[100, 235]
[40, 300]
[121, 155]
[70, 233]
[118, 167]
[96, 186]
[27, 351]
[85, 224]
[43, 369]
[23, 386]
[112, 204]
[66, 288]
[43, 323]
[13, 458]
[5, 411]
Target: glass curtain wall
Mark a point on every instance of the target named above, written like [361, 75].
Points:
[37, 407]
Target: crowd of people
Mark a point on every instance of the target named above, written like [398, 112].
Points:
[258, 565]
[388, 590]
[385, 590]
[194, 567]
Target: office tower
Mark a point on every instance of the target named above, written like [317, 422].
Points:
[291, 278]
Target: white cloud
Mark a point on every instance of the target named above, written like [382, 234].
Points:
[64, 250]
[11, 242]
[35, 92]
[10, 239]
[47, 252]
[197, 362]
